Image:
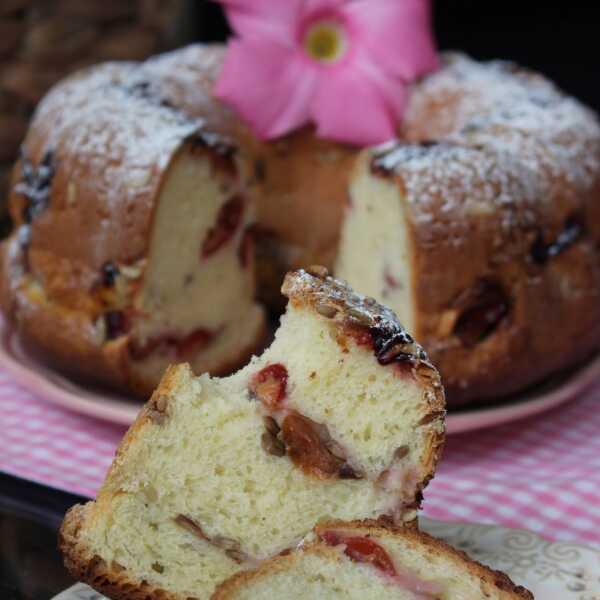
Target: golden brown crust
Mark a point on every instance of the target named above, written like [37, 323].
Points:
[509, 202]
[111, 579]
[494, 579]
[499, 273]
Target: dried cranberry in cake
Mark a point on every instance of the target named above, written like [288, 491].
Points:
[363, 550]
[484, 306]
[194, 342]
[269, 385]
[228, 221]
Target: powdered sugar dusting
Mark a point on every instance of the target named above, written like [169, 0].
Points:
[461, 178]
[112, 137]
[505, 131]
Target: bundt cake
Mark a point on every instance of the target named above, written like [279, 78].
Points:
[365, 561]
[341, 417]
[480, 227]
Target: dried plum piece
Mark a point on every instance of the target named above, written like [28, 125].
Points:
[484, 307]
[311, 448]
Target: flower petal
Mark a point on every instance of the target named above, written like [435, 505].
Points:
[315, 7]
[393, 90]
[397, 33]
[275, 19]
[349, 107]
[269, 85]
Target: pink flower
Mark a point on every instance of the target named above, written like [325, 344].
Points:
[342, 64]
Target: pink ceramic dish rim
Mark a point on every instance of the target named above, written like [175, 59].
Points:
[41, 380]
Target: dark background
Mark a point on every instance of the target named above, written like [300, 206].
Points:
[559, 39]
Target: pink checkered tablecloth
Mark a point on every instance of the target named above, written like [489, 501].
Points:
[541, 474]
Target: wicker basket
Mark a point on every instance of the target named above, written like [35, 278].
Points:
[41, 41]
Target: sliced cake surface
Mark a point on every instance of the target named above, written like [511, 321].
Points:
[341, 418]
[365, 561]
[480, 226]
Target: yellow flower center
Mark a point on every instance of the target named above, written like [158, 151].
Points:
[325, 42]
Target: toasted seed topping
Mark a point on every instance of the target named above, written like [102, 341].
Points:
[326, 310]
[190, 525]
[432, 416]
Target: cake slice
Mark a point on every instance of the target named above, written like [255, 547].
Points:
[341, 418]
[367, 561]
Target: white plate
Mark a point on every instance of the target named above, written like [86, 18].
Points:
[109, 406]
[552, 571]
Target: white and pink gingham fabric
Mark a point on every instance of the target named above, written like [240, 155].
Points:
[542, 474]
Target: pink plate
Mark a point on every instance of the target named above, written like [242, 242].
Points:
[109, 406]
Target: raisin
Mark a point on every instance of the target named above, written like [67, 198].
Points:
[110, 271]
[306, 448]
[116, 324]
[271, 444]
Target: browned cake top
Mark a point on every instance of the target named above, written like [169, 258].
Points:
[334, 299]
[492, 123]
[94, 159]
